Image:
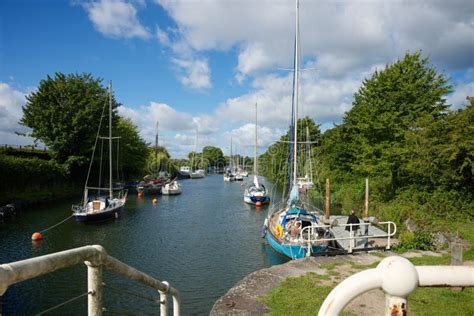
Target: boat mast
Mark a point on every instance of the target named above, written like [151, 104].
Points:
[231, 157]
[295, 96]
[255, 148]
[156, 148]
[110, 141]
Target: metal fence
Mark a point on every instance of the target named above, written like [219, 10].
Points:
[398, 278]
[96, 258]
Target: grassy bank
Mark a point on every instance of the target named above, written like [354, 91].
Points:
[304, 295]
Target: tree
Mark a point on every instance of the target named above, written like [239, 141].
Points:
[132, 148]
[64, 113]
[213, 155]
[387, 106]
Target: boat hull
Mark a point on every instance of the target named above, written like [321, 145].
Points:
[98, 216]
[251, 199]
[196, 175]
[292, 251]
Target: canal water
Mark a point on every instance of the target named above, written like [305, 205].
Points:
[202, 242]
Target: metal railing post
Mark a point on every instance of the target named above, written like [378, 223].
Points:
[94, 285]
[176, 305]
[350, 238]
[395, 306]
[164, 301]
[388, 237]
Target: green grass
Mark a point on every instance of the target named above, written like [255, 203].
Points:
[297, 296]
[431, 260]
[304, 295]
[328, 266]
[442, 301]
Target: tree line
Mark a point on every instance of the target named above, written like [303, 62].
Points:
[402, 135]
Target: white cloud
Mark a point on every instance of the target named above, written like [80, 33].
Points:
[116, 19]
[11, 102]
[458, 98]
[194, 73]
[358, 33]
[243, 138]
[162, 36]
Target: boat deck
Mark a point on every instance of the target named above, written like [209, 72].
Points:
[340, 232]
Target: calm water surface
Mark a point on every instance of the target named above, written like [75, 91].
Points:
[202, 242]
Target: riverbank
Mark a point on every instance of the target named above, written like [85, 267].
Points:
[22, 201]
[300, 286]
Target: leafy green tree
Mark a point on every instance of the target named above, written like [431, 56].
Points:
[132, 149]
[387, 106]
[64, 114]
[213, 155]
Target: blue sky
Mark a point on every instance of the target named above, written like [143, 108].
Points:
[203, 64]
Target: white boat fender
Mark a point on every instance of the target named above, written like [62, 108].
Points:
[264, 231]
[265, 223]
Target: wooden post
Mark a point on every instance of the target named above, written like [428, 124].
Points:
[326, 220]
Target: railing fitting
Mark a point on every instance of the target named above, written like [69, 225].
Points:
[397, 277]
[95, 257]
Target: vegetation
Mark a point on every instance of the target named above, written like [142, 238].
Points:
[401, 134]
[64, 113]
[305, 294]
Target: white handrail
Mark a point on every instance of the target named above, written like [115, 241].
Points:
[95, 257]
[310, 235]
[397, 277]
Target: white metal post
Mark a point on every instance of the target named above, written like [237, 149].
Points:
[395, 306]
[164, 300]
[388, 236]
[351, 240]
[176, 304]
[94, 285]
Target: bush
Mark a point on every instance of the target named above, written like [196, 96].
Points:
[420, 240]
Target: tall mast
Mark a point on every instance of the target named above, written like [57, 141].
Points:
[295, 95]
[156, 147]
[255, 148]
[110, 140]
[194, 151]
[231, 157]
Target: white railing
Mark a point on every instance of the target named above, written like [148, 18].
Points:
[95, 257]
[398, 278]
[309, 235]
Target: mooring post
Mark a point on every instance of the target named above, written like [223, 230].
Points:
[164, 300]
[456, 253]
[326, 219]
[94, 286]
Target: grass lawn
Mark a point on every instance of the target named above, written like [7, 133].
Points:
[304, 295]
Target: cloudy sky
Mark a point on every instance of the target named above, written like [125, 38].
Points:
[202, 65]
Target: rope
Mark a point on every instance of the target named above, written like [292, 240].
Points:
[42, 231]
[148, 298]
[118, 312]
[64, 303]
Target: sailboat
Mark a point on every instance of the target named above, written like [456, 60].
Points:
[153, 184]
[171, 188]
[229, 171]
[292, 227]
[306, 183]
[99, 207]
[256, 193]
[196, 174]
